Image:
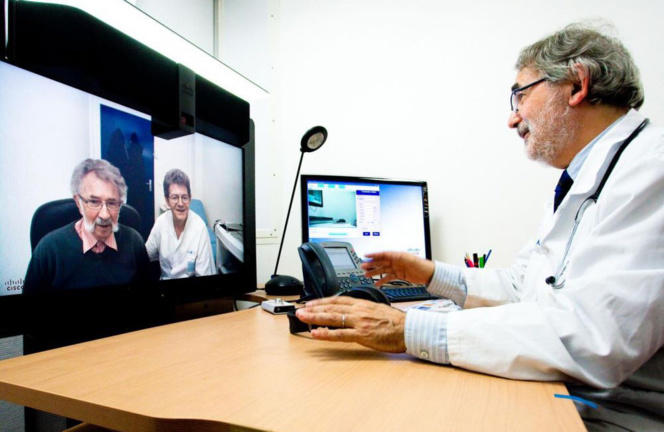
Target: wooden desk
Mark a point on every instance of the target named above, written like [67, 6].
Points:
[244, 371]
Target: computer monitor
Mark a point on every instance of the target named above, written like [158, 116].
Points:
[372, 214]
[73, 88]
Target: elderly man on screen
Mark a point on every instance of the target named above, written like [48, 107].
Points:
[179, 238]
[96, 250]
[582, 304]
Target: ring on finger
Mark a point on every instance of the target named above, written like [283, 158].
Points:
[343, 320]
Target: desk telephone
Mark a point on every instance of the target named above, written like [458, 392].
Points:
[333, 268]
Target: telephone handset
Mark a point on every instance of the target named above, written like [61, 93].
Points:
[333, 268]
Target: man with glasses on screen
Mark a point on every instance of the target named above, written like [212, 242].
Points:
[584, 302]
[96, 250]
[179, 238]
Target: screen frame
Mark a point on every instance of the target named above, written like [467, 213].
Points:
[67, 45]
[304, 211]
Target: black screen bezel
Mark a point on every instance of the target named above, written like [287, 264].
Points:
[67, 45]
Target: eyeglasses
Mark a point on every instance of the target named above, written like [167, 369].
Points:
[97, 204]
[176, 198]
[517, 95]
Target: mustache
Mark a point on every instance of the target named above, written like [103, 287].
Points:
[103, 222]
[90, 226]
[522, 129]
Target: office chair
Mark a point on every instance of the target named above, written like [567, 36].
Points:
[196, 206]
[58, 213]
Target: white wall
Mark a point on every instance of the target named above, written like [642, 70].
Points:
[249, 43]
[191, 19]
[214, 170]
[416, 90]
[420, 90]
[45, 133]
[220, 182]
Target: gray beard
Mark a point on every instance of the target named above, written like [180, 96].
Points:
[555, 123]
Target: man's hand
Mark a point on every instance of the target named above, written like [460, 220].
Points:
[398, 265]
[373, 325]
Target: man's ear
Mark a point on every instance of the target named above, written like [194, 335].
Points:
[78, 205]
[580, 89]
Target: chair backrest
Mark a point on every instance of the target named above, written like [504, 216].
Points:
[196, 206]
[58, 213]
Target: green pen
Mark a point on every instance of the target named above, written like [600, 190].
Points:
[481, 262]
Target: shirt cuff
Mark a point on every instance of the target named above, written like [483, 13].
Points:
[426, 335]
[449, 282]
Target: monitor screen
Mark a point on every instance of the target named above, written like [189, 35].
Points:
[372, 214]
[48, 128]
[340, 257]
[106, 96]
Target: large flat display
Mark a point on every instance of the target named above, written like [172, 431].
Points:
[74, 88]
[47, 128]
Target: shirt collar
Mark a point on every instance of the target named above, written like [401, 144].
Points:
[89, 241]
[575, 166]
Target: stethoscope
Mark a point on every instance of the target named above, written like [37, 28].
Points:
[592, 199]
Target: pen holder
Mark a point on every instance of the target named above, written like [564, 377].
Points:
[477, 260]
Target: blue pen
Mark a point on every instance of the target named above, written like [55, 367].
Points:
[487, 257]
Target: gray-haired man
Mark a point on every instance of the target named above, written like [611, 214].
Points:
[96, 250]
[582, 303]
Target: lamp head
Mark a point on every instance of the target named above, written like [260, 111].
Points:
[313, 139]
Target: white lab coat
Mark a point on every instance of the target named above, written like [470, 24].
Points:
[189, 255]
[608, 319]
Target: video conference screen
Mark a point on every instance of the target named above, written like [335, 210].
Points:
[47, 129]
[373, 215]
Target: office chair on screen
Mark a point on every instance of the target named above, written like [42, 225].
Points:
[197, 207]
[56, 214]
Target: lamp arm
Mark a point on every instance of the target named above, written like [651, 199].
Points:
[283, 234]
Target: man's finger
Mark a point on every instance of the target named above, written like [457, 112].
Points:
[333, 319]
[337, 300]
[375, 272]
[338, 335]
[373, 263]
[386, 279]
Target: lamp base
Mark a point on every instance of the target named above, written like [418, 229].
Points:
[284, 285]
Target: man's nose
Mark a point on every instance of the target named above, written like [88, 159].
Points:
[514, 119]
[103, 212]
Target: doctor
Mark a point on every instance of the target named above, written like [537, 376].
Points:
[584, 301]
[179, 238]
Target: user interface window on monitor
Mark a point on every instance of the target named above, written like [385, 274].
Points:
[371, 214]
[47, 128]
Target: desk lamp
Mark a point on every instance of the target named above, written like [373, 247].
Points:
[312, 140]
